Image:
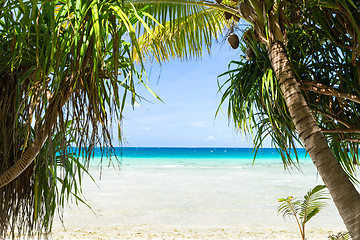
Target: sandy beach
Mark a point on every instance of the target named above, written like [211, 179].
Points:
[176, 233]
[172, 202]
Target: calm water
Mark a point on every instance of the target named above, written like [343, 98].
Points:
[182, 152]
[197, 156]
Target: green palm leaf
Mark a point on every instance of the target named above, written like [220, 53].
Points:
[313, 202]
[187, 28]
[255, 103]
[289, 206]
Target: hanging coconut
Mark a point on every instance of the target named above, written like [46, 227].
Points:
[248, 35]
[249, 53]
[227, 15]
[233, 40]
[218, 1]
[245, 11]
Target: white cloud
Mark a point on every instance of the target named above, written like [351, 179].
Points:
[210, 138]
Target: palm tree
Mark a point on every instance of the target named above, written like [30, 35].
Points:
[341, 189]
[66, 70]
[269, 22]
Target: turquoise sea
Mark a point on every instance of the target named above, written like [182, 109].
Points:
[193, 188]
[192, 156]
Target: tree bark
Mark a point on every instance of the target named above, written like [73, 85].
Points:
[342, 191]
[52, 112]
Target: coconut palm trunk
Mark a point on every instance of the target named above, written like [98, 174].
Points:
[343, 192]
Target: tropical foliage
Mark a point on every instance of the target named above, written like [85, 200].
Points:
[256, 105]
[187, 29]
[305, 209]
[329, 76]
[66, 70]
[340, 236]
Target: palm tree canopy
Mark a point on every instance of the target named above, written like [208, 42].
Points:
[187, 28]
[327, 66]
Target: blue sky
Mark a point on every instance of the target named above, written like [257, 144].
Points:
[189, 90]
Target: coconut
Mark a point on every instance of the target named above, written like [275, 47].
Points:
[227, 15]
[249, 53]
[233, 40]
[245, 11]
[218, 1]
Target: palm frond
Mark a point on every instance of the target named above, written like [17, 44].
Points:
[289, 206]
[256, 105]
[313, 202]
[186, 29]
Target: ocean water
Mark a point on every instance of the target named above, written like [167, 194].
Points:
[163, 188]
[194, 157]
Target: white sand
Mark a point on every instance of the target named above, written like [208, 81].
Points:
[178, 204]
[176, 233]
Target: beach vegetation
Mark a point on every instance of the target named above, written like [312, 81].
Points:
[340, 236]
[66, 70]
[304, 209]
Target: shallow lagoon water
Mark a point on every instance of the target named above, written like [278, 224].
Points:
[195, 188]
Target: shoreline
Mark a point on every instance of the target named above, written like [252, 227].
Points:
[147, 233]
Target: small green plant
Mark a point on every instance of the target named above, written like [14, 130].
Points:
[340, 236]
[304, 209]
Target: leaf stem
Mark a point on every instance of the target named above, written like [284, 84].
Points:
[297, 220]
